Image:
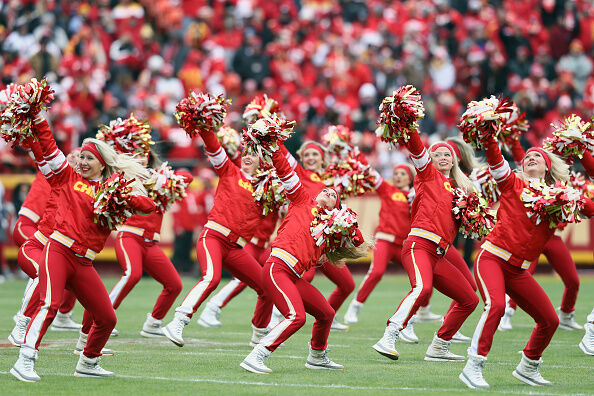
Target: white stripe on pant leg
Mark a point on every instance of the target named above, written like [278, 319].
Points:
[37, 322]
[117, 289]
[31, 286]
[275, 333]
[481, 323]
[29, 259]
[222, 295]
[406, 305]
[187, 305]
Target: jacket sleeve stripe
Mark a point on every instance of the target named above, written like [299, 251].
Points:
[218, 158]
[421, 161]
[501, 171]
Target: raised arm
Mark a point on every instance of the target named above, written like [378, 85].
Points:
[419, 155]
[518, 152]
[292, 161]
[498, 166]
[215, 152]
[49, 151]
[588, 163]
[288, 176]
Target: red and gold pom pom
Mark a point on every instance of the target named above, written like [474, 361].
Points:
[349, 176]
[571, 138]
[339, 140]
[335, 228]
[23, 105]
[229, 139]
[165, 187]
[6, 94]
[261, 137]
[128, 136]
[269, 192]
[472, 211]
[201, 111]
[486, 184]
[400, 115]
[112, 202]
[557, 205]
[484, 120]
[260, 107]
[582, 183]
[514, 125]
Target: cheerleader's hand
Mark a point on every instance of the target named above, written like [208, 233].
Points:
[358, 238]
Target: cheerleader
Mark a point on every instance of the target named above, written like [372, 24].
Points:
[72, 247]
[257, 247]
[587, 343]
[29, 256]
[313, 158]
[559, 258]
[433, 230]
[232, 221]
[500, 265]
[294, 251]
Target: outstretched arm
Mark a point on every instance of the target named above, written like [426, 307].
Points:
[47, 151]
[215, 152]
[518, 152]
[498, 166]
[288, 177]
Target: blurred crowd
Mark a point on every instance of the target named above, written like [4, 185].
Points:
[326, 61]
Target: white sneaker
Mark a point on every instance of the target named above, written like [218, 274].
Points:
[82, 343]
[337, 326]
[424, 314]
[257, 335]
[254, 362]
[319, 360]
[352, 313]
[567, 321]
[408, 333]
[387, 344]
[24, 368]
[17, 335]
[505, 322]
[64, 322]
[175, 329]
[472, 375]
[528, 372]
[152, 328]
[276, 318]
[439, 351]
[114, 333]
[87, 367]
[587, 343]
[460, 338]
[210, 316]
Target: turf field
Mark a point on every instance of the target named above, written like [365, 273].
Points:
[209, 362]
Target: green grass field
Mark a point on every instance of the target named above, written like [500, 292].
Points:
[209, 362]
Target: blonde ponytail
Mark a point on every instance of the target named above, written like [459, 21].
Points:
[128, 164]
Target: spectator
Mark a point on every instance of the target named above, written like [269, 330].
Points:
[578, 64]
[43, 62]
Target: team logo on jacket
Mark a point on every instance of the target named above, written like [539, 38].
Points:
[399, 197]
[314, 211]
[315, 177]
[246, 185]
[447, 186]
[84, 188]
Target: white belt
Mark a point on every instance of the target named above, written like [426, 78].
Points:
[29, 214]
[419, 232]
[213, 225]
[68, 242]
[286, 257]
[501, 253]
[40, 237]
[384, 236]
[138, 231]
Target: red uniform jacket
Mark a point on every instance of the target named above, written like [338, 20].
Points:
[293, 243]
[265, 230]
[310, 180]
[394, 217]
[75, 226]
[34, 204]
[234, 213]
[431, 210]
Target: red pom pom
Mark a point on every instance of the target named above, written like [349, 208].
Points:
[399, 115]
[484, 120]
[201, 111]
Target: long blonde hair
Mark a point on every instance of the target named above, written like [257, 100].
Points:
[337, 255]
[468, 159]
[126, 163]
[456, 175]
[559, 169]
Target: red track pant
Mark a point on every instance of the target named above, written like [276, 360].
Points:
[383, 253]
[215, 251]
[495, 278]
[60, 268]
[560, 259]
[294, 297]
[28, 258]
[134, 255]
[340, 276]
[426, 269]
[23, 230]
[261, 255]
